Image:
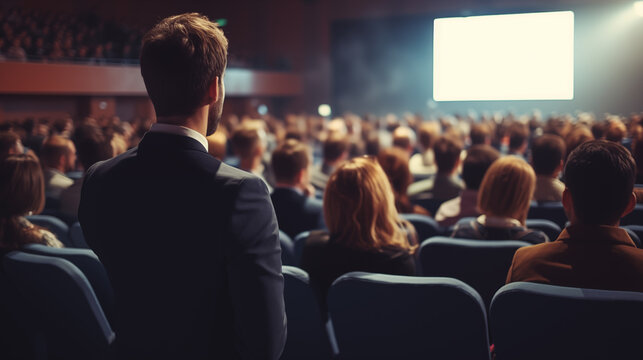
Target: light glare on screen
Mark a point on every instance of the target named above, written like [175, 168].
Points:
[504, 57]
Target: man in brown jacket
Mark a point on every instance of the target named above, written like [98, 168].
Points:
[593, 252]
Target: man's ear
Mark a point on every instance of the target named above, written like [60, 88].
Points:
[214, 90]
[630, 205]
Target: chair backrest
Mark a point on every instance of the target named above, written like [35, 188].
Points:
[53, 224]
[552, 211]
[635, 232]
[482, 264]
[89, 264]
[58, 295]
[429, 203]
[405, 317]
[76, 236]
[425, 226]
[308, 336]
[300, 242]
[540, 321]
[635, 217]
[287, 249]
[550, 228]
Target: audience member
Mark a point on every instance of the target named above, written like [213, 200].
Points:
[10, 144]
[365, 231]
[22, 192]
[503, 199]
[592, 252]
[577, 135]
[293, 197]
[446, 185]
[58, 156]
[217, 145]
[518, 138]
[92, 147]
[637, 152]
[334, 152]
[404, 138]
[396, 166]
[480, 134]
[615, 130]
[547, 153]
[423, 163]
[479, 159]
[249, 144]
[190, 244]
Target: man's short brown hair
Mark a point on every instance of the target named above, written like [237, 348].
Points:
[447, 151]
[245, 139]
[546, 153]
[53, 148]
[289, 159]
[334, 146]
[180, 58]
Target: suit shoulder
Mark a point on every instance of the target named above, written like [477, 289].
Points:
[230, 175]
[540, 250]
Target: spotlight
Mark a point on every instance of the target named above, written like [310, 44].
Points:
[638, 8]
[324, 110]
[262, 109]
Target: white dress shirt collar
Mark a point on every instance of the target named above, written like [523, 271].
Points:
[181, 131]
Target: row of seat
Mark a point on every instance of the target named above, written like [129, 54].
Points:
[376, 316]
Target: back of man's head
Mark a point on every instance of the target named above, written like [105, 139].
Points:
[404, 138]
[288, 160]
[480, 134]
[9, 143]
[547, 152]
[92, 145]
[600, 177]
[180, 57]
[53, 149]
[478, 160]
[334, 147]
[427, 134]
[518, 134]
[247, 140]
[447, 153]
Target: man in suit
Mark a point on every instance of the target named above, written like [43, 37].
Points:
[293, 198]
[190, 244]
[593, 252]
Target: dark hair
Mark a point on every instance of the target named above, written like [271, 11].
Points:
[600, 177]
[395, 163]
[52, 149]
[334, 146]
[8, 140]
[476, 164]
[447, 152]
[576, 136]
[91, 145]
[479, 134]
[518, 135]
[180, 57]
[289, 159]
[546, 153]
[245, 139]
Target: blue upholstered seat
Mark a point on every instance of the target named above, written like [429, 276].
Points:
[378, 316]
[287, 249]
[425, 226]
[53, 224]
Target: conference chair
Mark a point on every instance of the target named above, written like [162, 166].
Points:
[425, 226]
[300, 242]
[89, 264]
[308, 336]
[552, 211]
[550, 228]
[377, 316]
[635, 217]
[430, 204]
[636, 230]
[287, 249]
[53, 224]
[76, 236]
[541, 321]
[481, 264]
[57, 307]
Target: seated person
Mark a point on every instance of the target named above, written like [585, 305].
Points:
[396, 166]
[366, 232]
[479, 159]
[404, 139]
[518, 134]
[58, 155]
[334, 152]
[10, 144]
[593, 252]
[249, 144]
[547, 153]
[22, 192]
[446, 185]
[503, 199]
[293, 197]
[423, 164]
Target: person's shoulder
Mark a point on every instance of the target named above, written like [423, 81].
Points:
[539, 251]
[467, 230]
[531, 235]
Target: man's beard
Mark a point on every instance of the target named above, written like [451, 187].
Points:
[214, 116]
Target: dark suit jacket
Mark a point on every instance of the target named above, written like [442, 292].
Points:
[191, 246]
[296, 212]
[595, 257]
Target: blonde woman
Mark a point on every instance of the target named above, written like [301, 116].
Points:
[365, 230]
[503, 201]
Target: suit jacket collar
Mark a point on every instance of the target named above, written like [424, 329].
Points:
[164, 142]
[595, 233]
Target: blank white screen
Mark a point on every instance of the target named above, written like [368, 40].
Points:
[504, 57]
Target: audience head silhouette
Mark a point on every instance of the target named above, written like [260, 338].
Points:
[183, 59]
[290, 163]
[479, 159]
[599, 179]
[547, 154]
[507, 189]
[359, 207]
[447, 154]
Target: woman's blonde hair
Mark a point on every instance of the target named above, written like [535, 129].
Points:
[359, 207]
[507, 189]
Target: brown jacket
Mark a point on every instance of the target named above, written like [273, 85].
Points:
[586, 256]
